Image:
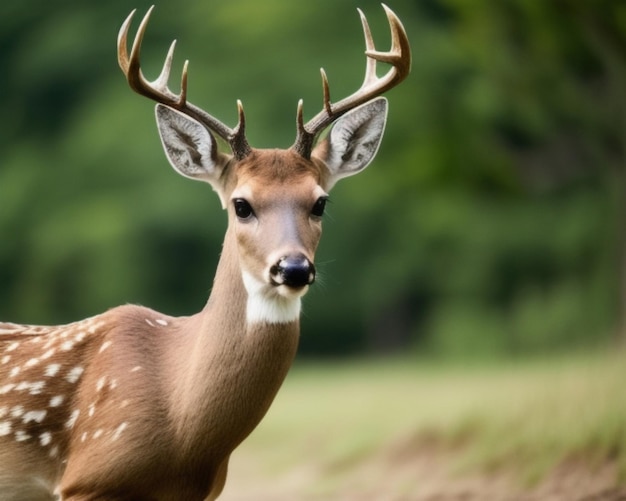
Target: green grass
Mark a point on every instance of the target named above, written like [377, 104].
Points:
[525, 417]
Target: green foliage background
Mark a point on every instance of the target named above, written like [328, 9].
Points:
[491, 222]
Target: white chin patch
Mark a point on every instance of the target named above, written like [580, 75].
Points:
[266, 304]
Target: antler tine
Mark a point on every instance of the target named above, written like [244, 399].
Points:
[164, 76]
[131, 65]
[399, 46]
[370, 64]
[399, 56]
[159, 91]
[122, 42]
[326, 90]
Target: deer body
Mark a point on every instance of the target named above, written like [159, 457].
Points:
[136, 405]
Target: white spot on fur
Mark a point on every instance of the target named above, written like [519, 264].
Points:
[94, 327]
[36, 416]
[56, 400]
[92, 410]
[67, 345]
[83, 437]
[15, 371]
[31, 363]
[74, 374]
[17, 411]
[119, 431]
[73, 418]
[54, 451]
[162, 322]
[33, 388]
[13, 346]
[123, 404]
[48, 354]
[22, 436]
[265, 305]
[136, 368]
[24, 385]
[45, 438]
[5, 359]
[113, 384]
[97, 433]
[6, 388]
[4, 411]
[104, 346]
[149, 322]
[5, 428]
[52, 370]
[100, 383]
[36, 387]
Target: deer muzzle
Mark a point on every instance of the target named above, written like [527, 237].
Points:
[295, 271]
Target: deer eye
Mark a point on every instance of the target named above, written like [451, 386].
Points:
[318, 208]
[243, 209]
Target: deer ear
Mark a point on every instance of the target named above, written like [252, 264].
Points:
[353, 140]
[190, 147]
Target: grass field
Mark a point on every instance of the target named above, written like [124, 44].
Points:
[400, 429]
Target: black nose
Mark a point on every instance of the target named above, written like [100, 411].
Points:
[293, 271]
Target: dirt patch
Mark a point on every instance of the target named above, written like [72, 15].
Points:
[427, 472]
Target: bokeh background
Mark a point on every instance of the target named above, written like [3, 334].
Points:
[490, 225]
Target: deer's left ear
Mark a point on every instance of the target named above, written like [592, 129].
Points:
[353, 140]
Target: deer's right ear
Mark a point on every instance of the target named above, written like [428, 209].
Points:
[190, 147]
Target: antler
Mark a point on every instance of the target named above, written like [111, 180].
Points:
[159, 91]
[399, 56]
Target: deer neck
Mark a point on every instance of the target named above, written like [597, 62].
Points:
[228, 368]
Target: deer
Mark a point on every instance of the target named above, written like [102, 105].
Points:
[133, 404]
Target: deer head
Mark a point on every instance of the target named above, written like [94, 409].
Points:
[275, 198]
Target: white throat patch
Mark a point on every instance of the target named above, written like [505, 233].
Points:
[266, 305]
